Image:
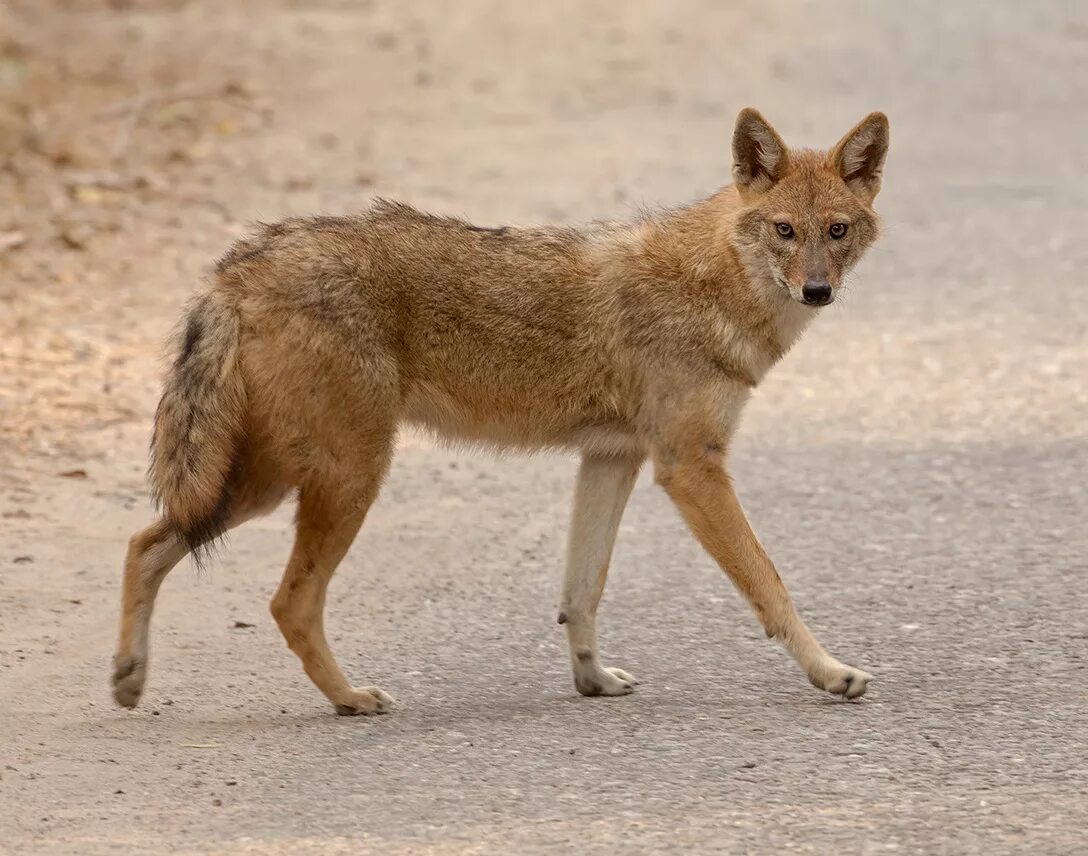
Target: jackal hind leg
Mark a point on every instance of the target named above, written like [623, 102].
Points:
[152, 553]
[331, 510]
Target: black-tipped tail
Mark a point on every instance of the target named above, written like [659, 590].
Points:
[199, 428]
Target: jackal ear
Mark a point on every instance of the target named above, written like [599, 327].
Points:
[859, 156]
[760, 158]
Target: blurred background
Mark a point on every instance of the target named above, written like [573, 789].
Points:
[916, 465]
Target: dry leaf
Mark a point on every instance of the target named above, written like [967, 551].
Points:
[86, 194]
[73, 239]
[11, 240]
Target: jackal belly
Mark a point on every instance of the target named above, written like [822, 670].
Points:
[503, 421]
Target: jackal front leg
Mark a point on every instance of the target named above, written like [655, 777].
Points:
[604, 484]
[704, 494]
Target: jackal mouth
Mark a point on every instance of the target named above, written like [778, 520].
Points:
[780, 281]
[800, 297]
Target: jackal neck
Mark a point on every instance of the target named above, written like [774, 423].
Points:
[694, 248]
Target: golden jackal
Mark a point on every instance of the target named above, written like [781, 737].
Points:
[626, 341]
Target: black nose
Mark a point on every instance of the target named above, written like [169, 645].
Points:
[816, 293]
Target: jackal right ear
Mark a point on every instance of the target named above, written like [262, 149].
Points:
[760, 158]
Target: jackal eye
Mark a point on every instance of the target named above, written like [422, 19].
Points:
[785, 230]
[837, 230]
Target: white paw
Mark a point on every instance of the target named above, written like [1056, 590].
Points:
[364, 701]
[604, 681]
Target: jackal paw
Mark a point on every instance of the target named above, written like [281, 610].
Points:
[364, 701]
[129, 675]
[604, 681]
[840, 679]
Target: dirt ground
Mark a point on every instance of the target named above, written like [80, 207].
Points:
[916, 465]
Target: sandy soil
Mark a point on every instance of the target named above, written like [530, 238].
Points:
[916, 465]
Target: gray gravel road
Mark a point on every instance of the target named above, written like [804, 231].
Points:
[916, 467]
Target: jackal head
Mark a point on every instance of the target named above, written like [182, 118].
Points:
[807, 216]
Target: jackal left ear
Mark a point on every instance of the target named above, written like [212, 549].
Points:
[859, 156]
[760, 158]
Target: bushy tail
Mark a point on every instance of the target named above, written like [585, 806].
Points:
[200, 427]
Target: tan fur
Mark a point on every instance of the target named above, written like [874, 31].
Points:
[319, 337]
